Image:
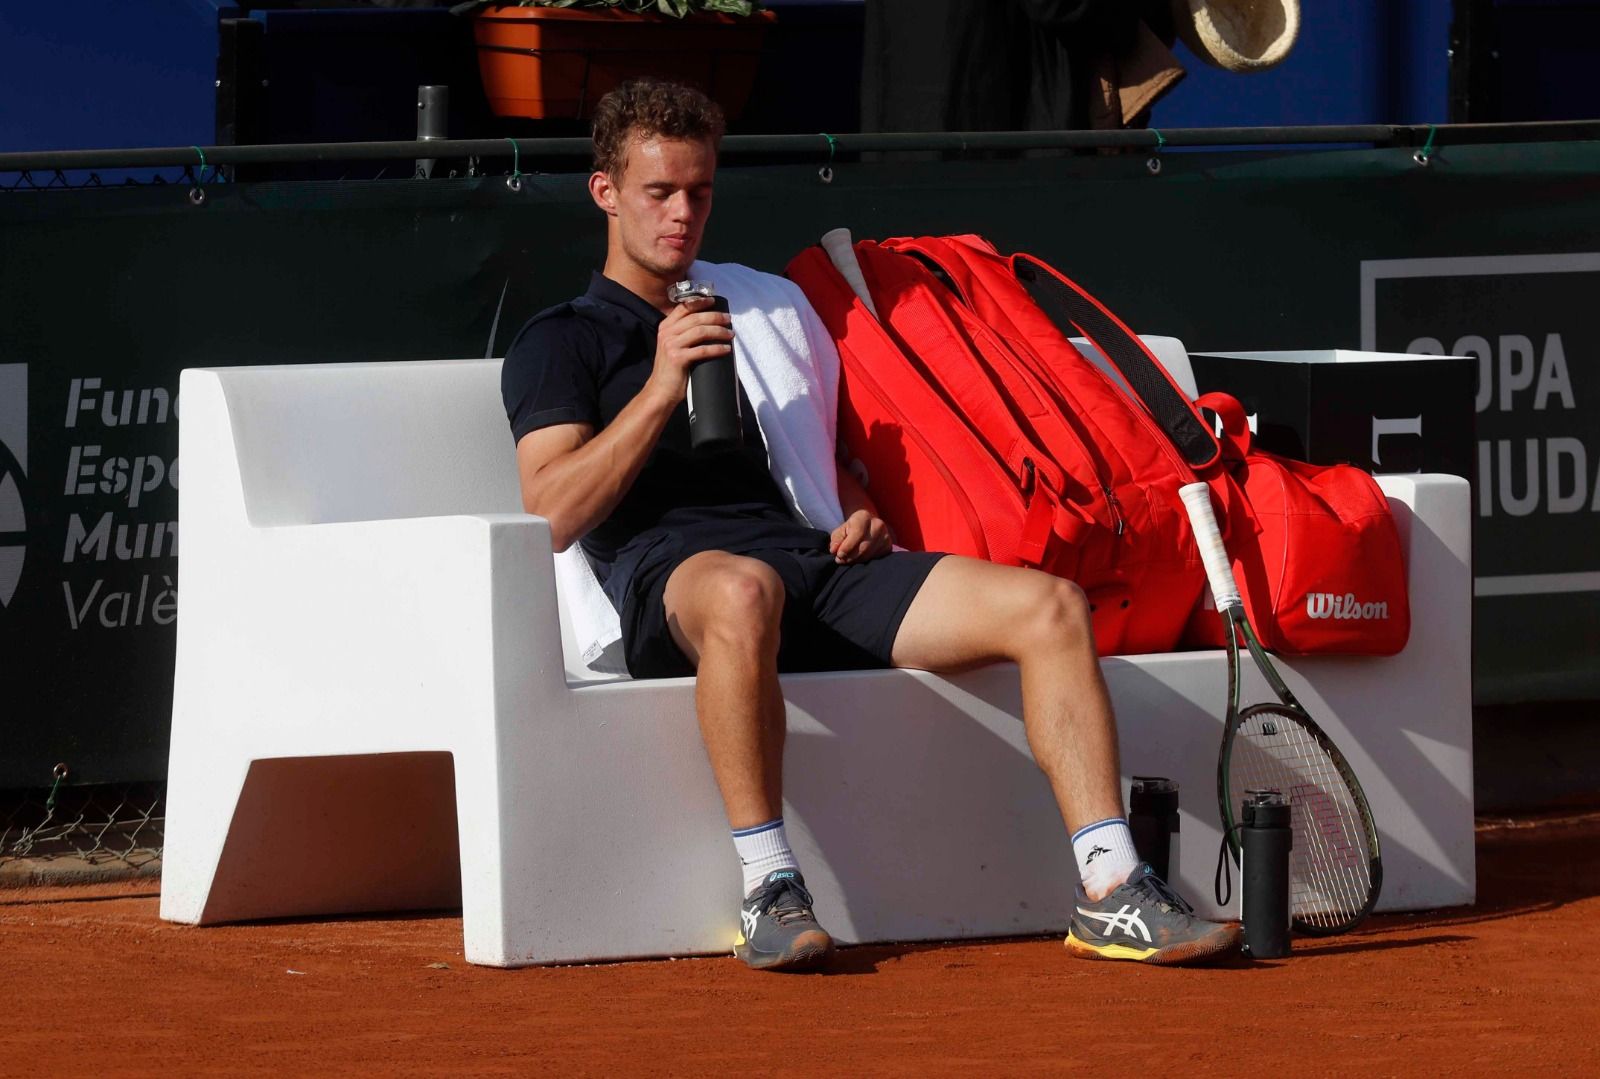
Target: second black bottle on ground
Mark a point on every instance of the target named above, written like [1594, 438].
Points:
[1153, 821]
[1265, 839]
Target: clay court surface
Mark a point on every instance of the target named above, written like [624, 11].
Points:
[94, 984]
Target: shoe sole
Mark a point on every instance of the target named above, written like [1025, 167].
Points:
[1210, 946]
[805, 952]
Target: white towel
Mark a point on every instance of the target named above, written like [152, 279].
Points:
[789, 368]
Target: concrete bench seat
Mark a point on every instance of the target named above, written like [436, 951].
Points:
[378, 707]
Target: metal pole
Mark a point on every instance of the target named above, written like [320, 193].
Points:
[433, 123]
[819, 147]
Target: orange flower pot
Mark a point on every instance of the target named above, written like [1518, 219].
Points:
[556, 63]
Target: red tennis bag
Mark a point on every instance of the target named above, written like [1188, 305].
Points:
[1314, 548]
[971, 441]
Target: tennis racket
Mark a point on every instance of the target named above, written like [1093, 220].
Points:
[1335, 871]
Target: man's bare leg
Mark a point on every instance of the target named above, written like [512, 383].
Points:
[725, 613]
[969, 613]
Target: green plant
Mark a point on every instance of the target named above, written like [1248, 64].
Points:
[675, 8]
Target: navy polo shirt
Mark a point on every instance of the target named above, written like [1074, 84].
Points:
[582, 362]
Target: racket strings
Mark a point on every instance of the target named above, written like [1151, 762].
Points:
[1327, 842]
[1324, 879]
[1329, 860]
[1325, 884]
[1319, 881]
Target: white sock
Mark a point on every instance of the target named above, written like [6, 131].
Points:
[1105, 855]
[761, 850]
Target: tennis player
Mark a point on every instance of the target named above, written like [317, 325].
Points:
[712, 576]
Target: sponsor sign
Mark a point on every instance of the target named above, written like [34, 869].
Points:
[88, 564]
[1528, 323]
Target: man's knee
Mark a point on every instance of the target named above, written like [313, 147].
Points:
[1059, 615]
[741, 604]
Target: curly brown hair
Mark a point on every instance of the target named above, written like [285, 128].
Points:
[647, 107]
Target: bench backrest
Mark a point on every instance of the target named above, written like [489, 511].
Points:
[366, 441]
[318, 443]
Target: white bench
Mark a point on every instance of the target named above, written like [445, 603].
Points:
[376, 709]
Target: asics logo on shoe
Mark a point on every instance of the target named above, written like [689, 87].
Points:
[1121, 920]
[781, 874]
[748, 917]
[1095, 852]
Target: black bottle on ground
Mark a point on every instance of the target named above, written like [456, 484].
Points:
[1153, 820]
[1265, 839]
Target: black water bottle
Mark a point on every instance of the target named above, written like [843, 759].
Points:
[1265, 838]
[1153, 820]
[714, 419]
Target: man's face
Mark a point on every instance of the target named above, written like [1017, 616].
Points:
[661, 202]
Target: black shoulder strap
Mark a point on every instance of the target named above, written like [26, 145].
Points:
[1068, 306]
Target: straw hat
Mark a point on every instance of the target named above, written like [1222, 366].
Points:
[1240, 35]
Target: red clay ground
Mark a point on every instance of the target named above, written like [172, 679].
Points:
[94, 984]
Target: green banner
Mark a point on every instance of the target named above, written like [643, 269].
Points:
[107, 293]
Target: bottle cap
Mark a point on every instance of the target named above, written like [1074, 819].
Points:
[683, 290]
[1264, 809]
[1153, 795]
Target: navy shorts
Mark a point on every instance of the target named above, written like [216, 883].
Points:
[835, 618]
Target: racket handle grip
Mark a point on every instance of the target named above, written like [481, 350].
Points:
[1224, 589]
[842, 253]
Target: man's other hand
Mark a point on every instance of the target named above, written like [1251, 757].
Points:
[692, 332]
[863, 537]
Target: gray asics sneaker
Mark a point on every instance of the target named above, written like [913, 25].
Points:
[778, 930]
[1144, 920]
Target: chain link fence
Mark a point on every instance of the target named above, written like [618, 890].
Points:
[63, 834]
[73, 179]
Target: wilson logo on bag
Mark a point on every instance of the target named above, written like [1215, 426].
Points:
[1328, 605]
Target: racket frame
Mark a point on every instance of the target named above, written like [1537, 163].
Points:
[1236, 624]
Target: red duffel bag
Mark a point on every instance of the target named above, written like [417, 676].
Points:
[1314, 547]
[971, 441]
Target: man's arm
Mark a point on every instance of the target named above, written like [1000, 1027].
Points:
[864, 535]
[572, 476]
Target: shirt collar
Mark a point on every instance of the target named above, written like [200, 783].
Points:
[605, 290]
